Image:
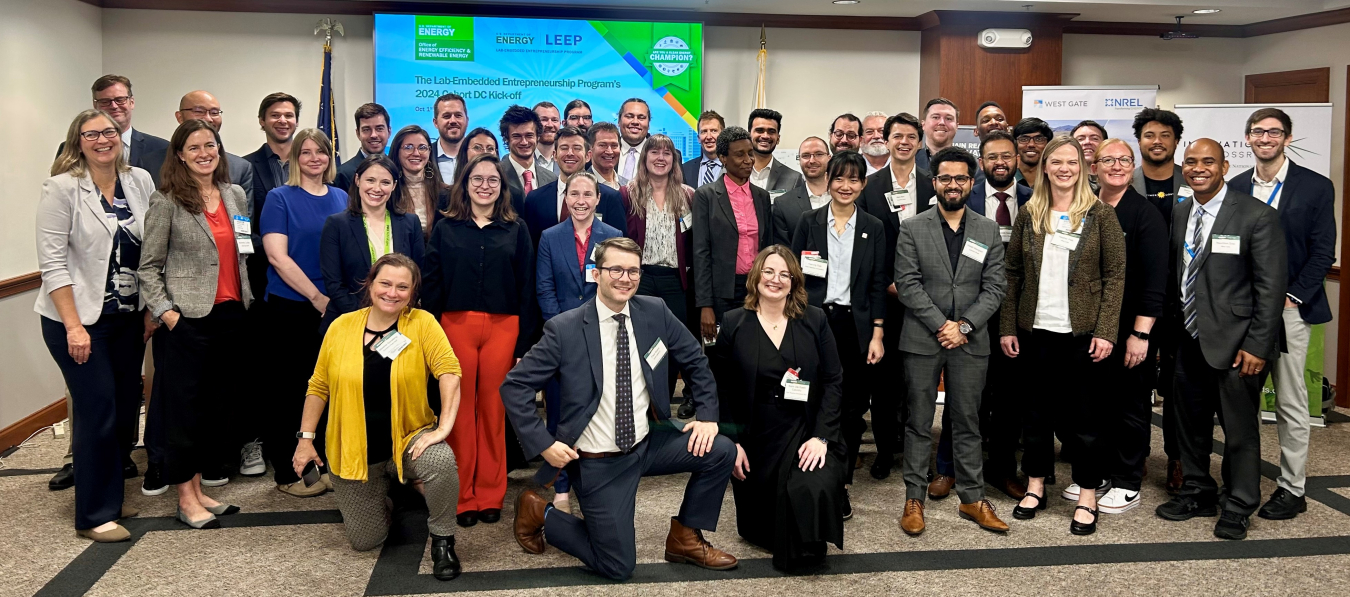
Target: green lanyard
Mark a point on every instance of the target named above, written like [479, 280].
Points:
[388, 236]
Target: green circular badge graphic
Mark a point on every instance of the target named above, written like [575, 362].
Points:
[671, 56]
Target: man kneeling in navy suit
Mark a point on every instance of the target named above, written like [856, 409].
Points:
[612, 356]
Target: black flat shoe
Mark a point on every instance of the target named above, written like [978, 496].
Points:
[129, 470]
[1021, 513]
[1084, 528]
[444, 561]
[881, 467]
[467, 519]
[490, 515]
[1283, 505]
[1050, 479]
[63, 479]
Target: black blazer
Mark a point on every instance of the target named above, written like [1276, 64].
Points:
[874, 202]
[689, 170]
[346, 173]
[263, 183]
[344, 257]
[735, 363]
[787, 211]
[540, 210]
[716, 238]
[867, 278]
[1307, 214]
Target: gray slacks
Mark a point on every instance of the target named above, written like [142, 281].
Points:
[964, 385]
[367, 511]
[1291, 404]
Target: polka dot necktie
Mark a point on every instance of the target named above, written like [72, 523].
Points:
[624, 434]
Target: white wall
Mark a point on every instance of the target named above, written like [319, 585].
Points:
[49, 54]
[1196, 71]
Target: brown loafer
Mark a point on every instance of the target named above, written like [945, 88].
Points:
[912, 521]
[116, 534]
[1174, 478]
[982, 513]
[529, 525]
[941, 487]
[687, 546]
[1012, 486]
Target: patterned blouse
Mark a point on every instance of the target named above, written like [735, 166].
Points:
[122, 293]
[659, 248]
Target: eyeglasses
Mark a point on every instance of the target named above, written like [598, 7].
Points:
[199, 112]
[958, 179]
[783, 276]
[1030, 139]
[107, 102]
[1275, 134]
[1124, 160]
[1000, 157]
[817, 155]
[422, 148]
[487, 181]
[851, 136]
[109, 133]
[617, 272]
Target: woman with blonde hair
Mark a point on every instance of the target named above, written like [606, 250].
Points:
[1066, 275]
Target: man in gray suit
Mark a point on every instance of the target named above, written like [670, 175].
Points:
[520, 128]
[814, 192]
[949, 275]
[1231, 272]
[769, 173]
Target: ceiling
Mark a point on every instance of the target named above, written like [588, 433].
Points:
[1233, 12]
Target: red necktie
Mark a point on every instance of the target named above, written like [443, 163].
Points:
[562, 208]
[529, 181]
[1002, 216]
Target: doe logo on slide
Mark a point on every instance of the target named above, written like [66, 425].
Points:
[670, 56]
[444, 38]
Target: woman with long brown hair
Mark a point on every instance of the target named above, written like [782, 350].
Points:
[658, 204]
[480, 270]
[420, 190]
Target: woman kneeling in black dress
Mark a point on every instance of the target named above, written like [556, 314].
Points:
[778, 380]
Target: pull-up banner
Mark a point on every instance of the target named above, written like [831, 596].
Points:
[1227, 124]
[1113, 107]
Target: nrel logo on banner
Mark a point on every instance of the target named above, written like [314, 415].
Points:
[1123, 102]
[444, 38]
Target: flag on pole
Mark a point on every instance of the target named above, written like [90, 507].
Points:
[763, 59]
[327, 109]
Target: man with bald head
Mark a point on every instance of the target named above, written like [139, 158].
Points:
[813, 155]
[201, 105]
[1226, 290]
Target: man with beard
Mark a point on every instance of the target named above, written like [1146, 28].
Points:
[577, 113]
[635, 118]
[549, 122]
[939, 129]
[814, 194]
[705, 168]
[894, 194]
[845, 133]
[873, 142]
[604, 140]
[372, 129]
[451, 119]
[544, 208]
[949, 275]
[1160, 179]
[998, 198]
[1031, 135]
[769, 173]
[989, 118]
[1089, 134]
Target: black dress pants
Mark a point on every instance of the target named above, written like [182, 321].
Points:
[293, 335]
[858, 376]
[1128, 397]
[1059, 397]
[890, 406]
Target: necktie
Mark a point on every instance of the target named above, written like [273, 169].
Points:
[562, 205]
[708, 166]
[529, 181]
[1197, 248]
[623, 389]
[630, 164]
[1002, 216]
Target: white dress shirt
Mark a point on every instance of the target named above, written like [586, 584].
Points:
[1211, 212]
[1052, 298]
[760, 178]
[911, 184]
[599, 433]
[1262, 190]
[126, 144]
[838, 279]
[545, 163]
[629, 153]
[991, 202]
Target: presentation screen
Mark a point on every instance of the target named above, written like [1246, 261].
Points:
[495, 62]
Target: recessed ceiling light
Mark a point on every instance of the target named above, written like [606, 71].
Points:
[1205, 11]
[847, 1]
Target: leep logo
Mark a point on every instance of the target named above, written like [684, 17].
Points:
[444, 38]
[671, 56]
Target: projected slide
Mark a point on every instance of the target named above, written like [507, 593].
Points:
[496, 62]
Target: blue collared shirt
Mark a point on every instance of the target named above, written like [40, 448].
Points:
[837, 280]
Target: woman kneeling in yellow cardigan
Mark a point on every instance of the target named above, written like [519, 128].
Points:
[372, 373]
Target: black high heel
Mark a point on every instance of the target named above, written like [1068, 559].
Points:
[1021, 513]
[1084, 528]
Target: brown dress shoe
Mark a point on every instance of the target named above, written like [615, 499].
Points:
[982, 513]
[941, 487]
[1174, 478]
[529, 524]
[1012, 486]
[687, 546]
[912, 521]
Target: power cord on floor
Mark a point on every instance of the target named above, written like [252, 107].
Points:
[24, 444]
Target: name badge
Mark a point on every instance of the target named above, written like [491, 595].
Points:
[655, 353]
[391, 345]
[599, 217]
[975, 250]
[788, 376]
[774, 195]
[1224, 244]
[797, 390]
[687, 221]
[1005, 233]
[592, 274]
[1184, 193]
[814, 265]
[1062, 225]
[245, 245]
[1065, 240]
[241, 225]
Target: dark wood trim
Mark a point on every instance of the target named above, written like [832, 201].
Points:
[20, 284]
[1150, 29]
[1343, 317]
[1315, 80]
[1334, 274]
[1297, 23]
[48, 415]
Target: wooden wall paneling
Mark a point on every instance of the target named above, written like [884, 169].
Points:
[20, 284]
[1312, 85]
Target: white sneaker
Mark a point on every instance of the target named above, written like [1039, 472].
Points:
[1071, 492]
[1118, 500]
[251, 462]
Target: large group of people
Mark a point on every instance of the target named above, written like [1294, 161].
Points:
[411, 301]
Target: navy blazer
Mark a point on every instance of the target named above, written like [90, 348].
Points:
[540, 210]
[976, 201]
[1307, 216]
[558, 281]
[689, 170]
[570, 351]
[346, 172]
[344, 257]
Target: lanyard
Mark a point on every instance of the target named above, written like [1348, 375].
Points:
[1274, 192]
[388, 236]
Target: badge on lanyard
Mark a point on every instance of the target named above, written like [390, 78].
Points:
[391, 345]
[241, 225]
[245, 245]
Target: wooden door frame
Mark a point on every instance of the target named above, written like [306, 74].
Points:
[1343, 296]
[1321, 77]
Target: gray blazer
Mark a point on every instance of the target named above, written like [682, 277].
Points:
[781, 177]
[75, 239]
[929, 288]
[1241, 297]
[542, 176]
[179, 261]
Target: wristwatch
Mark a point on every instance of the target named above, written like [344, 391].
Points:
[965, 327]
[1140, 335]
[304, 435]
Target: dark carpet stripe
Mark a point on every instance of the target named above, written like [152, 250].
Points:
[20, 472]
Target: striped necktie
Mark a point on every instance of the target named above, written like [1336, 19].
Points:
[708, 166]
[1194, 251]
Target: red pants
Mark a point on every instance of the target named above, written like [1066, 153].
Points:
[485, 345]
